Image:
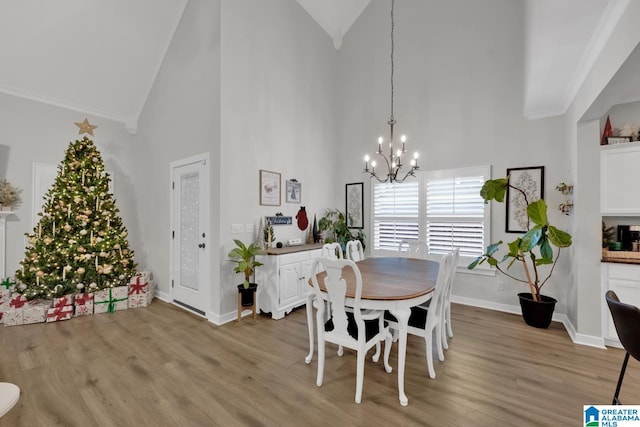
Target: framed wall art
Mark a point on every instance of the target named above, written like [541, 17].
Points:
[269, 188]
[354, 205]
[294, 191]
[531, 181]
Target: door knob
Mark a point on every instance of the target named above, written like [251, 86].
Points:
[201, 245]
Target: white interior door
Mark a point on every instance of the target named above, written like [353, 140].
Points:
[189, 231]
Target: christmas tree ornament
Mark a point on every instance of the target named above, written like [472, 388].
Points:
[85, 127]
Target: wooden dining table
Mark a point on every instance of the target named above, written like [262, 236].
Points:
[394, 284]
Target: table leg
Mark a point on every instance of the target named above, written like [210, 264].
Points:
[402, 315]
[309, 307]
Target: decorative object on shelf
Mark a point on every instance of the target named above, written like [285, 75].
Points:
[261, 238]
[294, 191]
[354, 204]
[628, 130]
[394, 161]
[301, 216]
[608, 235]
[269, 188]
[614, 140]
[565, 207]
[9, 196]
[314, 230]
[608, 131]
[268, 234]
[529, 182]
[279, 220]
[531, 251]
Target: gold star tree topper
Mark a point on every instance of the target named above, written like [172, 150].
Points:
[85, 127]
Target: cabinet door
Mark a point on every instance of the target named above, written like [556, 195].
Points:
[289, 282]
[305, 276]
[619, 174]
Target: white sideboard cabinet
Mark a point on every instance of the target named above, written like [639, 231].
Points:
[624, 280]
[283, 278]
[619, 175]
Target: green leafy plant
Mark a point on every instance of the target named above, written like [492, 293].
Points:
[533, 249]
[608, 235]
[244, 257]
[334, 229]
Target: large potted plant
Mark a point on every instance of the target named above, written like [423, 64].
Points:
[531, 251]
[334, 229]
[244, 257]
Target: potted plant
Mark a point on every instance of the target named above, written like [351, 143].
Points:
[244, 257]
[334, 229]
[534, 249]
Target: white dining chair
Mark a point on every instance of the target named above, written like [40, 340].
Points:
[347, 326]
[355, 251]
[426, 319]
[332, 251]
[413, 249]
[447, 330]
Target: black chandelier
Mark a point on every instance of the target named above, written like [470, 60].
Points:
[394, 160]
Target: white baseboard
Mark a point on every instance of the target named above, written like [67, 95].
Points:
[163, 296]
[576, 338]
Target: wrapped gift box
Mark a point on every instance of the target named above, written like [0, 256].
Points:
[13, 316]
[4, 306]
[83, 304]
[62, 309]
[143, 276]
[17, 301]
[110, 300]
[7, 287]
[35, 311]
[142, 299]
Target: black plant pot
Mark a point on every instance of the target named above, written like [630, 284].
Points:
[248, 294]
[537, 313]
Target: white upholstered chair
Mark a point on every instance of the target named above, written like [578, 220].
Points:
[426, 319]
[347, 326]
[413, 249]
[332, 251]
[355, 252]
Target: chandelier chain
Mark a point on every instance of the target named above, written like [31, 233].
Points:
[392, 49]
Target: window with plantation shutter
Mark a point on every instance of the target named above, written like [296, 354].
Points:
[443, 208]
[455, 213]
[396, 214]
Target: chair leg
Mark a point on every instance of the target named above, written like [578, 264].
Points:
[321, 346]
[616, 401]
[376, 355]
[387, 351]
[448, 319]
[428, 339]
[359, 375]
[309, 307]
[439, 330]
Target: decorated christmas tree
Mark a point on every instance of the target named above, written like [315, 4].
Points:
[80, 241]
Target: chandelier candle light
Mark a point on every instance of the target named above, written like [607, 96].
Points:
[393, 161]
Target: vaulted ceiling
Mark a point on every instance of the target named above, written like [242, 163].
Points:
[101, 57]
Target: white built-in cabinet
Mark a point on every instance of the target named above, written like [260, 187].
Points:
[619, 178]
[283, 279]
[624, 280]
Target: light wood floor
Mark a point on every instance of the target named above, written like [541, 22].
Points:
[162, 366]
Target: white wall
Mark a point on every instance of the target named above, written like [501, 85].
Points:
[36, 132]
[584, 144]
[277, 113]
[459, 88]
[181, 118]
